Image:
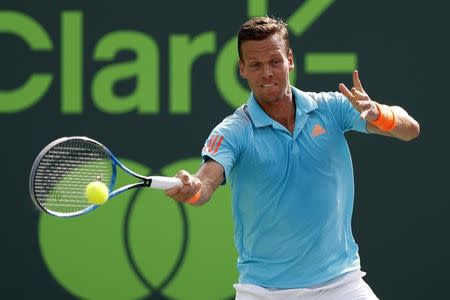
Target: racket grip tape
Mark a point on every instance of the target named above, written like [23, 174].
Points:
[165, 183]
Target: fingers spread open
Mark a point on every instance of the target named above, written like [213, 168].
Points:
[344, 90]
[356, 82]
[363, 114]
[359, 95]
[364, 108]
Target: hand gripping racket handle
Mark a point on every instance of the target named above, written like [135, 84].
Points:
[164, 183]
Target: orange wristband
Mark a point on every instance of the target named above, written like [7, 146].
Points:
[194, 198]
[386, 120]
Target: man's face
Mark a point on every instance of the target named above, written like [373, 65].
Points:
[266, 66]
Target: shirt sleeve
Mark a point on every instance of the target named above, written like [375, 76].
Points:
[346, 115]
[226, 143]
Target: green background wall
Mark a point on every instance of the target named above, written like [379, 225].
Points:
[146, 246]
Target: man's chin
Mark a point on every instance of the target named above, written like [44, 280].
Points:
[268, 97]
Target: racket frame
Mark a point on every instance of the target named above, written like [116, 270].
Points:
[146, 180]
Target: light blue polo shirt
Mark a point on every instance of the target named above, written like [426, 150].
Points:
[292, 193]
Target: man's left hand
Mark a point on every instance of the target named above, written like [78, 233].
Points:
[359, 99]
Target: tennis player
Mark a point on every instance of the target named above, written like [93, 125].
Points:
[286, 157]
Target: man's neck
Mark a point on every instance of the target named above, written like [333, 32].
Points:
[282, 111]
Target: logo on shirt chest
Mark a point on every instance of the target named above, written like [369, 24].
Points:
[317, 130]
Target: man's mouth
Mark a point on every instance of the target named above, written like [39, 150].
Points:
[266, 85]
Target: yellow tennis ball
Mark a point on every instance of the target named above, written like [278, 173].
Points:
[97, 192]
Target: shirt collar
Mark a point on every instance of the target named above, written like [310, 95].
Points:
[303, 102]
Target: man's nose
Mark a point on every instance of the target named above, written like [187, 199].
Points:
[267, 71]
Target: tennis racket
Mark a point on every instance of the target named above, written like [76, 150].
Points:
[64, 168]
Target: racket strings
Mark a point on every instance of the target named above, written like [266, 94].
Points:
[64, 172]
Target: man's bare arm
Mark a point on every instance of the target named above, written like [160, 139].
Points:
[207, 179]
[406, 127]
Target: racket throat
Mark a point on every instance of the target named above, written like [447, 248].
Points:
[147, 182]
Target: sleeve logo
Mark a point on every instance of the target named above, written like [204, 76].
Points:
[213, 144]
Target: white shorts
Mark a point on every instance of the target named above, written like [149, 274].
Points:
[349, 286]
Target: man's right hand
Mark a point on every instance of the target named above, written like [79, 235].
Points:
[203, 184]
[191, 186]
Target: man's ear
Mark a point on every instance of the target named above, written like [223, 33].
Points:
[241, 69]
[291, 60]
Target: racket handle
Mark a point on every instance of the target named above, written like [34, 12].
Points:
[164, 183]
